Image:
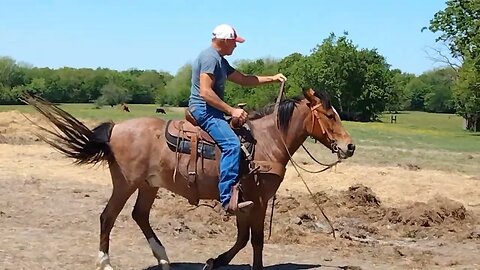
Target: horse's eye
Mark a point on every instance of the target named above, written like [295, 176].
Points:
[330, 115]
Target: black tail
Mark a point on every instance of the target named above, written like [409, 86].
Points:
[74, 140]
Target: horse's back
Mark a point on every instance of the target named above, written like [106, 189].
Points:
[137, 129]
[146, 120]
[135, 141]
[141, 151]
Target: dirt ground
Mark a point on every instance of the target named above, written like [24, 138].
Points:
[384, 217]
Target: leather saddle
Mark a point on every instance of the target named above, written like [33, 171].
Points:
[185, 137]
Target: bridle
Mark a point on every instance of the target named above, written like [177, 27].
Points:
[315, 118]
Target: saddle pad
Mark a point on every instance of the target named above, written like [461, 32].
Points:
[181, 141]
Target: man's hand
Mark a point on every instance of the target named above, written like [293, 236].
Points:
[240, 114]
[279, 77]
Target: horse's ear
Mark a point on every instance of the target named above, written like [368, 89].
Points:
[310, 95]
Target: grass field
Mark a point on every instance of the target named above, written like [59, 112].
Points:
[427, 140]
[418, 130]
[88, 111]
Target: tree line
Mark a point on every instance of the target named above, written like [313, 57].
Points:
[360, 82]
[70, 85]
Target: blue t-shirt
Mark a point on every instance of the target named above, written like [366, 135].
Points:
[209, 61]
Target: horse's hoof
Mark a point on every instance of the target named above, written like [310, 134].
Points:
[164, 264]
[105, 267]
[103, 262]
[208, 264]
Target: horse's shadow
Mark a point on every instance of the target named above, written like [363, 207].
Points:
[283, 266]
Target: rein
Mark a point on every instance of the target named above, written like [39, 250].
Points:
[318, 162]
[296, 165]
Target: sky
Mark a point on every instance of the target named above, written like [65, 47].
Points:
[166, 35]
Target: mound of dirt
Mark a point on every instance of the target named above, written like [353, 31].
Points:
[361, 195]
[434, 212]
[474, 233]
[286, 204]
[20, 139]
[16, 129]
[356, 215]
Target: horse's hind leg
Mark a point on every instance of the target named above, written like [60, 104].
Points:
[122, 190]
[243, 235]
[141, 213]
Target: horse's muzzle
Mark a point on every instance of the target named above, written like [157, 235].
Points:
[350, 149]
[343, 153]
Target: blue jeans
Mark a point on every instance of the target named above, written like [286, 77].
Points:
[214, 123]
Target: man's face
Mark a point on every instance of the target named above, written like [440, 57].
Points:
[230, 45]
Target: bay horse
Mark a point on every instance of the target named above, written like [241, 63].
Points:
[140, 158]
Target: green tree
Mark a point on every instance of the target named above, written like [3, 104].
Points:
[440, 97]
[154, 82]
[11, 74]
[293, 67]
[358, 80]
[77, 85]
[177, 90]
[416, 89]
[143, 85]
[432, 91]
[257, 96]
[459, 28]
[113, 94]
[467, 96]
[6, 95]
[399, 99]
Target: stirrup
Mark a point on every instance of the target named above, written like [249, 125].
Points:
[243, 207]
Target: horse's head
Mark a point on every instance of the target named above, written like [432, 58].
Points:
[326, 126]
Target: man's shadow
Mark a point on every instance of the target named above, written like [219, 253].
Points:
[283, 266]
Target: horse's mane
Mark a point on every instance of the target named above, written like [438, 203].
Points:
[286, 107]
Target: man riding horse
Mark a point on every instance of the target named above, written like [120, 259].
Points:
[206, 104]
[140, 156]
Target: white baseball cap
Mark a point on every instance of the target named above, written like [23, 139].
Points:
[225, 31]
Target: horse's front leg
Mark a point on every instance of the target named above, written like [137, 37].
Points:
[243, 235]
[257, 233]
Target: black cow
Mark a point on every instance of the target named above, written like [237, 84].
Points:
[160, 110]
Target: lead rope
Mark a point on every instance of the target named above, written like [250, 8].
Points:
[306, 185]
[279, 98]
[280, 95]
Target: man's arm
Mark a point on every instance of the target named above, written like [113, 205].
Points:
[206, 92]
[254, 80]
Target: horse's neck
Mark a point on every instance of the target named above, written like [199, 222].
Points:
[272, 143]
